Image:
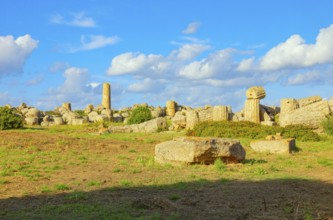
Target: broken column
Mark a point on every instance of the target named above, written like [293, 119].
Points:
[252, 103]
[67, 105]
[288, 105]
[192, 119]
[106, 98]
[220, 113]
[171, 108]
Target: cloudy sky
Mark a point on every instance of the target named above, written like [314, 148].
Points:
[195, 52]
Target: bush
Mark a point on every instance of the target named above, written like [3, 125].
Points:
[328, 125]
[9, 120]
[243, 129]
[140, 114]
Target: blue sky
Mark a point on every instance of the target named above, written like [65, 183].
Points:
[195, 52]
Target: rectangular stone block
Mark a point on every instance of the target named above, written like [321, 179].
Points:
[252, 111]
[281, 146]
[220, 113]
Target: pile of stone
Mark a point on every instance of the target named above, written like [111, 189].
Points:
[309, 111]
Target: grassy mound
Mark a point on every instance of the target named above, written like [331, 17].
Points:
[229, 129]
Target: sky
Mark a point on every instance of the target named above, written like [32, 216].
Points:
[194, 52]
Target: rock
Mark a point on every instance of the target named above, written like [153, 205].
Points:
[88, 109]
[155, 125]
[311, 115]
[77, 121]
[150, 126]
[205, 115]
[171, 108]
[191, 150]
[309, 100]
[117, 118]
[31, 121]
[157, 112]
[192, 119]
[58, 121]
[179, 121]
[107, 113]
[220, 113]
[276, 146]
[256, 92]
[33, 113]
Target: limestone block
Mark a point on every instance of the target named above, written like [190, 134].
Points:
[67, 105]
[58, 121]
[107, 113]
[309, 100]
[288, 105]
[311, 115]
[157, 112]
[192, 119]
[106, 98]
[220, 113]
[191, 150]
[179, 120]
[256, 92]
[89, 109]
[264, 116]
[45, 123]
[205, 115]
[31, 121]
[252, 111]
[274, 146]
[33, 113]
[155, 125]
[117, 117]
[171, 108]
[77, 121]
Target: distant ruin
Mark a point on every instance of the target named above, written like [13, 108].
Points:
[309, 111]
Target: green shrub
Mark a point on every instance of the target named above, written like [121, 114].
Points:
[243, 129]
[80, 112]
[328, 125]
[140, 114]
[9, 119]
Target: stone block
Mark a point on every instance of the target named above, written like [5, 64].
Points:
[252, 111]
[256, 92]
[191, 150]
[220, 113]
[276, 146]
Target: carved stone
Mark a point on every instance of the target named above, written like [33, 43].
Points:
[106, 99]
[252, 111]
[220, 113]
[256, 92]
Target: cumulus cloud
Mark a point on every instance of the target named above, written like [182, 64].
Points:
[76, 19]
[135, 62]
[302, 78]
[192, 28]
[217, 63]
[15, 52]
[35, 81]
[94, 42]
[295, 53]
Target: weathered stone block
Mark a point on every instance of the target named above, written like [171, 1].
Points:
[171, 108]
[309, 100]
[220, 113]
[252, 111]
[274, 146]
[192, 119]
[205, 115]
[256, 92]
[288, 105]
[191, 150]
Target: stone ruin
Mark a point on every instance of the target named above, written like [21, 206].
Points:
[307, 111]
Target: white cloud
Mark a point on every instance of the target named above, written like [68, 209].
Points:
[192, 28]
[77, 19]
[303, 78]
[190, 51]
[245, 65]
[145, 85]
[295, 53]
[94, 42]
[218, 63]
[135, 62]
[15, 52]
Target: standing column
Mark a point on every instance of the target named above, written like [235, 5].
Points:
[106, 98]
[252, 103]
[252, 111]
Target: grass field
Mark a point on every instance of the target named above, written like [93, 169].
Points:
[70, 172]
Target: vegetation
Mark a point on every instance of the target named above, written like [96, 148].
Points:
[67, 172]
[80, 112]
[229, 129]
[9, 119]
[328, 125]
[140, 114]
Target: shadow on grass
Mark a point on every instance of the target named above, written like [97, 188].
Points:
[203, 199]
